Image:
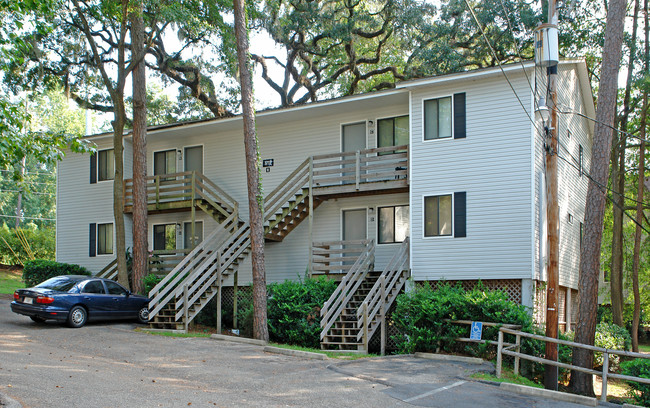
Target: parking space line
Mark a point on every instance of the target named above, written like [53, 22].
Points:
[437, 390]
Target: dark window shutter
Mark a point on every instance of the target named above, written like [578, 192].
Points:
[460, 215]
[93, 168]
[92, 246]
[459, 116]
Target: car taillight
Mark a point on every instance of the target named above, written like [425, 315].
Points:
[16, 295]
[44, 300]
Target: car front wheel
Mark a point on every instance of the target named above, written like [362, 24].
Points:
[143, 315]
[77, 317]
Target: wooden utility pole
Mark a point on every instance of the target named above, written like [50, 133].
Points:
[553, 218]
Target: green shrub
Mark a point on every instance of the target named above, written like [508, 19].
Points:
[294, 310]
[422, 317]
[149, 282]
[40, 270]
[638, 368]
[611, 336]
[40, 244]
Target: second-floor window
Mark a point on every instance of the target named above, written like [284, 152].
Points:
[105, 165]
[437, 118]
[164, 162]
[393, 131]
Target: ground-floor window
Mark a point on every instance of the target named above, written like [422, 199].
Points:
[164, 237]
[393, 224]
[104, 239]
[437, 216]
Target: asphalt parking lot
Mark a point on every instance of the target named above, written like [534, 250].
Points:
[111, 365]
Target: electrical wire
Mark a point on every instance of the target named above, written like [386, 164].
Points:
[494, 55]
[28, 218]
[632, 135]
[26, 192]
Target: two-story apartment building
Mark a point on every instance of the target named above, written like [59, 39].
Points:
[455, 163]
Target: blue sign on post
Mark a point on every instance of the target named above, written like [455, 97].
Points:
[477, 331]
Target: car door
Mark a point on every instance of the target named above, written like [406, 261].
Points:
[121, 306]
[94, 296]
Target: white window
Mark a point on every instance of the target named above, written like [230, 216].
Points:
[104, 239]
[393, 131]
[164, 162]
[437, 216]
[105, 165]
[393, 224]
[437, 118]
[164, 237]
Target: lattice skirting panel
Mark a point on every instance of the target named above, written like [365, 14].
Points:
[512, 287]
[391, 332]
[243, 293]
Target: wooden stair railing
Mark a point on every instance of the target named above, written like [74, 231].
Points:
[183, 190]
[333, 307]
[335, 257]
[383, 294]
[109, 271]
[168, 288]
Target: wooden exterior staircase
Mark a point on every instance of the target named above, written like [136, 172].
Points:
[181, 295]
[358, 307]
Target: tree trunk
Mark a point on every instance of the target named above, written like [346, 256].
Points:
[636, 315]
[582, 383]
[616, 275]
[255, 198]
[140, 226]
[618, 185]
[118, 193]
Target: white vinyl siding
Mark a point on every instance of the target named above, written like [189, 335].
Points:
[493, 166]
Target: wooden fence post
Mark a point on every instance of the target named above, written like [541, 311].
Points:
[518, 343]
[603, 393]
[499, 356]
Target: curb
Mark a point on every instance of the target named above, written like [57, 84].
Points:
[448, 357]
[148, 330]
[556, 395]
[626, 405]
[244, 340]
[7, 402]
[295, 353]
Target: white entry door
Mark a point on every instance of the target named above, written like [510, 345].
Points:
[354, 228]
[353, 138]
[194, 158]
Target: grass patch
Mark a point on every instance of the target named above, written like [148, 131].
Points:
[330, 354]
[10, 280]
[644, 348]
[507, 376]
[173, 334]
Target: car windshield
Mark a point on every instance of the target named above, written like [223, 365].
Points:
[59, 284]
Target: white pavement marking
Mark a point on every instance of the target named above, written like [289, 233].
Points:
[437, 390]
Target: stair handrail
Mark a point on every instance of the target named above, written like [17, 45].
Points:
[163, 292]
[391, 278]
[186, 183]
[109, 271]
[286, 189]
[219, 261]
[333, 307]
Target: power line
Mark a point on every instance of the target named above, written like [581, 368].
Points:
[26, 192]
[604, 124]
[28, 218]
[494, 55]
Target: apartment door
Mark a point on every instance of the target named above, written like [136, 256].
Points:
[353, 138]
[354, 228]
[193, 159]
[189, 240]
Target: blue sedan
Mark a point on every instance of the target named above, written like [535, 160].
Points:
[77, 299]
